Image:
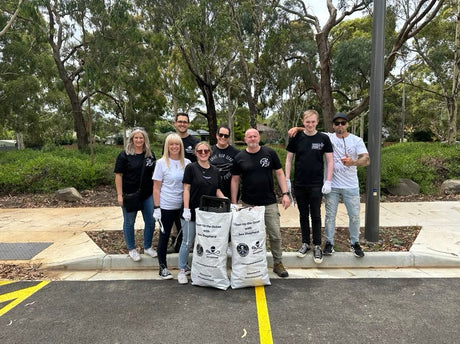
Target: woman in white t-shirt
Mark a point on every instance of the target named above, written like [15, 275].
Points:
[167, 194]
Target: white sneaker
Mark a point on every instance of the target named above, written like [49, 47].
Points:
[182, 278]
[151, 252]
[135, 255]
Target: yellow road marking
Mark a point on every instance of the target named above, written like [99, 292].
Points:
[265, 331]
[5, 282]
[18, 296]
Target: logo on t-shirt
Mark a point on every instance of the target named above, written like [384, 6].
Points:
[317, 146]
[264, 162]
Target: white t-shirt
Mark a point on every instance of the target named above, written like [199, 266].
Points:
[171, 182]
[346, 177]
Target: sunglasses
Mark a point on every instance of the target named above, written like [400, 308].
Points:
[202, 151]
[340, 123]
[223, 135]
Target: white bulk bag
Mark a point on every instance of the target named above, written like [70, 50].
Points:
[249, 255]
[209, 264]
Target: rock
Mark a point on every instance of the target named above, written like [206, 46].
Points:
[405, 187]
[68, 194]
[451, 186]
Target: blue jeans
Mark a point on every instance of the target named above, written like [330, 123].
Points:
[149, 225]
[351, 199]
[188, 236]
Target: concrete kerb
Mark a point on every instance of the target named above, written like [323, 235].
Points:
[339, 260]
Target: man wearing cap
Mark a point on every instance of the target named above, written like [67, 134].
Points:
[349, 153]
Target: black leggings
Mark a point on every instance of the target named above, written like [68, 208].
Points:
[168, 217]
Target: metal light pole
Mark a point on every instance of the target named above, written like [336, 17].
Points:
[375, 123]
[403, 110]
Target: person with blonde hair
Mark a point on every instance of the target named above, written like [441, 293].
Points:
[311, 150]
[167, 194]
[200, 178]
[133, 173]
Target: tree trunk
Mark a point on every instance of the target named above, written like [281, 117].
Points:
[211, 114]
[77, 113]
[453, 109]
[325, 92]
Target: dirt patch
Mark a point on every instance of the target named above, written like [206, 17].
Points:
[391, 239]
[22, 272]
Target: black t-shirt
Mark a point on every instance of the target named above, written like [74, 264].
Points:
[189, 147]
[223, 160]
[256, 172]
[203, 181]
[130, 166]
[309, 153]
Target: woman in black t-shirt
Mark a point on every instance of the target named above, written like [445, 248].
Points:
[200, 178]
[136, 161]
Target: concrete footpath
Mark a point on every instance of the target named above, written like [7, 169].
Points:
[70, 253]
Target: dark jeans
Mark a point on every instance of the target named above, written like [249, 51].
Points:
[309, 203]
[167, 218]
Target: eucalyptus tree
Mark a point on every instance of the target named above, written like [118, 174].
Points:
[411, 17]
[201, 30]
[253, 23]
[122, 65]
[437, 63]
[29, 94]
[7, 10]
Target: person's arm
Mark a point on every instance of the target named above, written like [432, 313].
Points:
[186, 196]
[156, 192]
[119, 187]
[363, 160]
[220, 194]
[329, 165]
[282, 183]
[287, 165]
[294, 130]
[234, 184]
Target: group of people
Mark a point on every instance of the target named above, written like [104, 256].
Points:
[172, 186]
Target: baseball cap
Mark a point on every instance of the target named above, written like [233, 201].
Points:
[340, 115]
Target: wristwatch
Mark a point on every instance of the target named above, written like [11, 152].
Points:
[285, 193]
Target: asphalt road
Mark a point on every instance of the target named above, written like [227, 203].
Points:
[296, 311]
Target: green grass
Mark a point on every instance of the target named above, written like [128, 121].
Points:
[35, 171]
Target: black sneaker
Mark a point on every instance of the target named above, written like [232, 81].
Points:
[317, 254]
[165, 273]
[302, 252]
[280, 270]
[356, 249]
[328, 249]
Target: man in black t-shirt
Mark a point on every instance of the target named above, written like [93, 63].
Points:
[255, 166]
[311, 149]
[181, 124]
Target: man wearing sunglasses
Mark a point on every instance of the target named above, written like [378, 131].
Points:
[349, 153]
[222, 157]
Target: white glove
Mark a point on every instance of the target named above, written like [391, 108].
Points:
[288, 184]
[187, 215]
[234, 207]
[157, 214]
[326, 187]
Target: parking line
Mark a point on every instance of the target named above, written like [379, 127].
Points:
[265, 331]
[18, 296]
